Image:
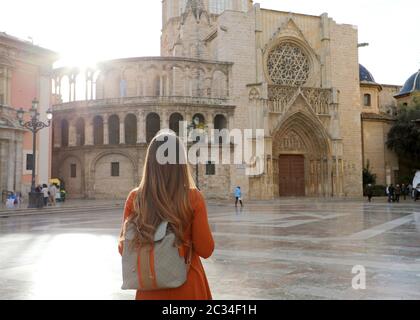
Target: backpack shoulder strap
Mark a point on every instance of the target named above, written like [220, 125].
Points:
[161, 231]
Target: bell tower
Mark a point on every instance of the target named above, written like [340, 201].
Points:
[183, 32]
[187, 22]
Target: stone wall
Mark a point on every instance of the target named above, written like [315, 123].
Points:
[382, 161]
[345, 77]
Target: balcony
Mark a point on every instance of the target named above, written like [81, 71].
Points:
[143, 101]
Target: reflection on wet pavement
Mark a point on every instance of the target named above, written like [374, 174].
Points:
[288, 249]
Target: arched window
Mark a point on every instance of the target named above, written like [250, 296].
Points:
[152, 126]
[220, 123]
[367, 100]
[64, 133]
[130, 125]
[98, 131]
[80, 132]
[174, 121]
[201, 121]
[114, 129]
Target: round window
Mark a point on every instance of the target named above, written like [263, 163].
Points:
[288, 65]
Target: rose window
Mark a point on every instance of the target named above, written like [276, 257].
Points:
[288, 65]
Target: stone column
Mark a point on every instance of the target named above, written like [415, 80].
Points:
[57, 133]
[72, 134]
[106, 134]
[330, 177]
[89, 132]
[122, 129]
[326, 50]
[231, 122]
[210, 126]
[141, 127]
[11, 153]
[164, 122]
[19, 163]
[44, 136]
[188, 117]
[9, 87]
[3, 166]
[86, 88]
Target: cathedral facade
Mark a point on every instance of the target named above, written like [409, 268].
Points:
[232, 65]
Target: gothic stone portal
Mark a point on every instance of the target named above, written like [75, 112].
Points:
[302, 159]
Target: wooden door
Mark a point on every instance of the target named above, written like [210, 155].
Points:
[292, 176]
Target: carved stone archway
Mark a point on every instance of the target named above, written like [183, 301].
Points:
[301, 135]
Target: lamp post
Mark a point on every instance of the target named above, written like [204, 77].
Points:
[34, 125]
[193, 126]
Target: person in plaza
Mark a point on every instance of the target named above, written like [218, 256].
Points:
[397, 192]
[45, 192]
[19, 198]
[416, 192]
[404, 191]
[391, 193]
[52, 192]
[11, 201]
[410, 190]
[238, 196]
[369, 192]
[58, 194]
[167, 193]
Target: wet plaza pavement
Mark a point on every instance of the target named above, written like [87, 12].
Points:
[285, 249]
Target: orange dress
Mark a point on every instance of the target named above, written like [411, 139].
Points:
[196, 287]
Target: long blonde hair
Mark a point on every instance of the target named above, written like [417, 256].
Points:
[163, 193]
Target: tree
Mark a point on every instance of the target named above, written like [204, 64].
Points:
[404, 136]
[368, 176]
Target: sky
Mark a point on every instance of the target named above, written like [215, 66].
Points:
[86, 31]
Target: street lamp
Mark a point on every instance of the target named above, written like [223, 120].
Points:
[34, 125]
[195, 124]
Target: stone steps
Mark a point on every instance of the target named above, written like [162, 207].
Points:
[55, 210]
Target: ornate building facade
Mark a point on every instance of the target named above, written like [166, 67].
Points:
[379, 108]
[232, 64]
[25, 71]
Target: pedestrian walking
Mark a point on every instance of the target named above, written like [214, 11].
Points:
[52, 192]
[166, 194]
[391, 194]
[45, 192]
[397, 193]
[11, 201]
[19, 198]
[410, 190]
[369, 192]
[238, 196]
[404, 191]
